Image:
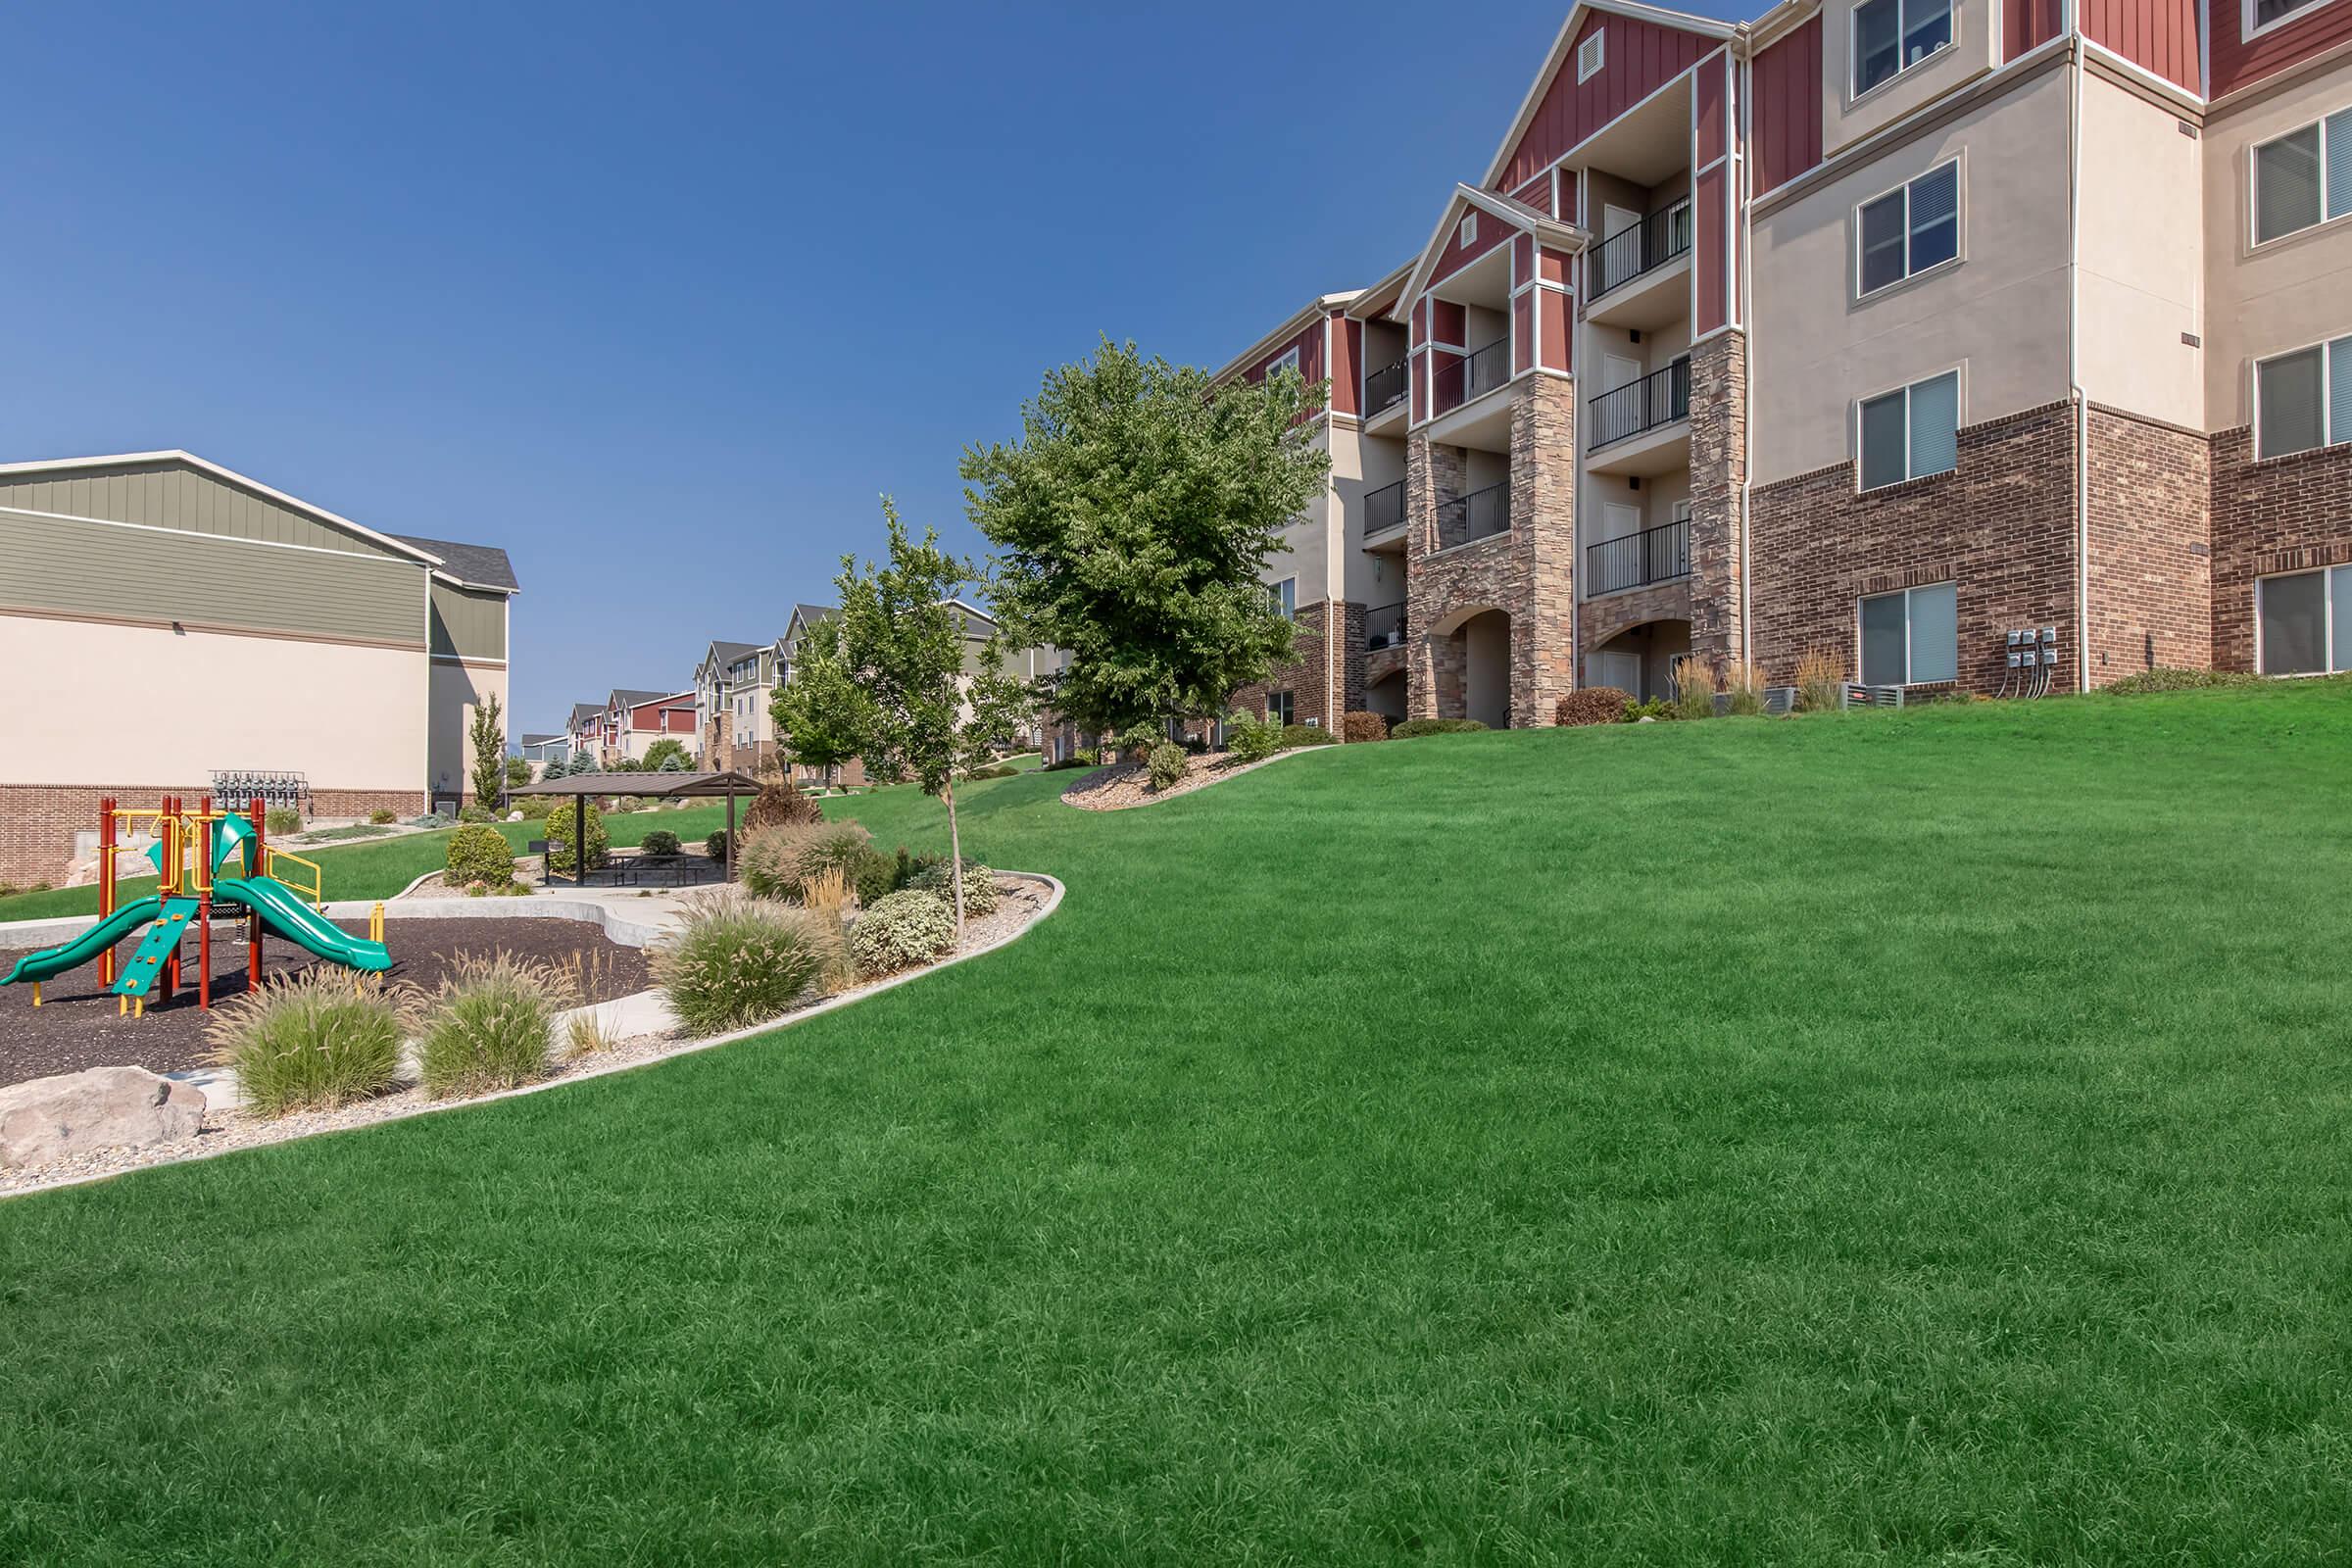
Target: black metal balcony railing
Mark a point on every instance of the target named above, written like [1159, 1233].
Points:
[1655, 555]
[1642, 246]
[1383, 510]
[1473, 375]
[1475, 516]
[1386, 387]
[1658, 398]
[1383, 627]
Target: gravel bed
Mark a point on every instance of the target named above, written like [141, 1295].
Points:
[1125, 784]
[77, 1026]
[1022, 900]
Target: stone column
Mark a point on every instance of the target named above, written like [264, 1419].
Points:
[1718, 475]
[1433, 474]
[1543, 527]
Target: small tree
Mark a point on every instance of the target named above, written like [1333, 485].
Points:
[556, 767]
[929, 718]
[489, 740]
[822, 715]
[518, 773]
[1134, 521]
[658, 756]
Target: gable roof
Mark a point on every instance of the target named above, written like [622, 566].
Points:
[539, 740]
[1706, 27]
[1542, 224]
[630, 697]
[391, 542]
[581, 712]
[1313, 311]
[470, 565]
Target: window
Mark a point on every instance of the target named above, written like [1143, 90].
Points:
[1591, 55]
[1891, 36]
[1280, 707]
[1465, 232]
[1285, 596]
[1910, 229]
[1911, 433]
[1912, 637]
[2264, 14]
[1287, 360]
[2303, 622]
[2303, 177]
[2303, 400]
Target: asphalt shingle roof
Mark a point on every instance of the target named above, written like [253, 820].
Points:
[483, 566]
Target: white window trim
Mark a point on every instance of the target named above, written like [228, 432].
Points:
[1904, 594]
[2326, 398]
[1853, 51]
[1959, 228]
[1287, 360]
[2327, 576]
[1274, 592]
[1597, 46]
[1959, 423]
[1465, 232]
[2249, 29]
[2254, 239]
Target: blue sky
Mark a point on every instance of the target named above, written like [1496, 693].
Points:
[663, 299]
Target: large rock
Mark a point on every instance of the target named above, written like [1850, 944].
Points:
[104, 1107]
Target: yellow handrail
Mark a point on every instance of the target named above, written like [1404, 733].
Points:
[316, 892]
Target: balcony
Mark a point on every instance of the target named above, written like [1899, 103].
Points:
[1471, 377]
[1655, 555]
[1384, 514]
[1644, 426]
[1385, 388]
[1383, 627]
[1640, 273]
[1480, 515]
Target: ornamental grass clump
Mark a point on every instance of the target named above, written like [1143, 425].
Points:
[1694, 688]
[1746, 684]
[488, 1026]
[903, 931]
[321, 1038]
[1820, 684]
[738, 961]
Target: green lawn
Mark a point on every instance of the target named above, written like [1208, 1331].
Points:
[1910, 1137]
[381, 868]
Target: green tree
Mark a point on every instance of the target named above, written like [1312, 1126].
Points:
[489, 739]
[930, 718]
[518, 773]
[823, 717]
[658, 754]
[1133, 521]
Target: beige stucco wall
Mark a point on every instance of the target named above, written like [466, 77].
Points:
[2291, 292]
[2140, 280]
[100, 703]
[1308, 552]
[456, 691]
[1999, 313]
[1848, 119]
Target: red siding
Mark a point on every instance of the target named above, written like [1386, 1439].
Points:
[1346, 354]
[1523, 331]
[2028, 25]
[1787, 111]
[2156, 36]
[1308, 341]
[1537, 193]
[2238, 63]
[1709, 276]
[1554, 265]
[1448, 323]
[1706, 120]
[1491, 231]
[1557, 308]
[1640, 58]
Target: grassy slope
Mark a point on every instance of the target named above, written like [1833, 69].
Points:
[1900, 1137]
[381, 868]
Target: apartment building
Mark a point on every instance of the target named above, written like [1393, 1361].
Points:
[1884, 331]
[170, 626]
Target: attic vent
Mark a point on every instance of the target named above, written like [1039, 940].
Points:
[1467, 232]
[1591, 55]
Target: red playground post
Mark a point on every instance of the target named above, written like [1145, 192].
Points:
[167, 833]
[255, 865]
[106, 882]
[204, 908]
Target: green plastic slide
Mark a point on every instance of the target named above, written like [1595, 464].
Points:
[82, 949]
[282, 910]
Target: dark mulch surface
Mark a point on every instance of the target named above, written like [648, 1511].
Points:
[77, 1025]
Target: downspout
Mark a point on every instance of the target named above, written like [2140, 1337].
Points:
[2074, 348]
[1748, 308]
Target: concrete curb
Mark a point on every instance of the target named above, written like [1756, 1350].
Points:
[636, 1003]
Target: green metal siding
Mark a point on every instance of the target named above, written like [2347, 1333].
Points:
[469, 622]
[67, 565]
[173, 494]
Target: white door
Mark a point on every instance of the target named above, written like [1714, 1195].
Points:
[1616, 370]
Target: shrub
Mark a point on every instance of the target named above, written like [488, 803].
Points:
[1363, 725]
[834, 847]
[1295, 736]
[518, 773]
[1820, 683]
[979, 886]
[280, 821]
[559, 826]
[535, 807]
[1695, 688]
[715, 846]
[1251, 737]
[1744, 683]
[736, 961]
[2163, 678]
[487, 1028]
[782, 804]
[993, 770]
[1593, 705]
[478, 854]
[381, 817]
[901, 931]
[1414, 728]
[321, 1038]
[1655, 708]
[475, 812]
[660, 841]
[1167, 763]
[878, 876]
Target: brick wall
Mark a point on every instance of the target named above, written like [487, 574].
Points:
[1329, 666]
[2150, 561]
[2000, 526]
[2281, 514]
[1718, 473]
[38, 822]
[1613, 614]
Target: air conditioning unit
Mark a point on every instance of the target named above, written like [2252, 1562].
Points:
[1858, 695]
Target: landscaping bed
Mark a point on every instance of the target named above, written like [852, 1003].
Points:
[1121, 785]
[77, 1026]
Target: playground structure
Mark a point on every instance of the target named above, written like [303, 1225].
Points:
[189, 895]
